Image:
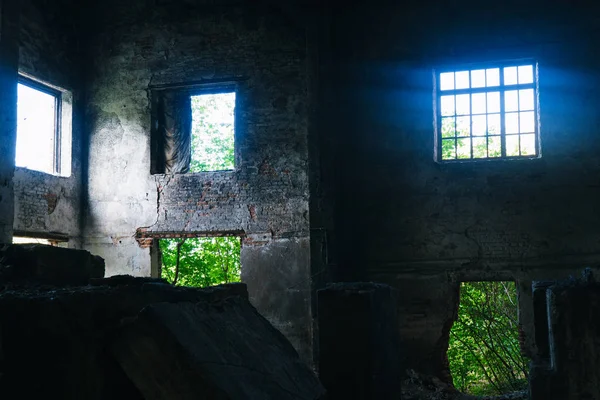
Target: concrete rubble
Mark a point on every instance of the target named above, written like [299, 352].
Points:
[134, 338]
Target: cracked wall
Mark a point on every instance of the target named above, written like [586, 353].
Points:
[265, 198]
[46, 203]
[418, 224]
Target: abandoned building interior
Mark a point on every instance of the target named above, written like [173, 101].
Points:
[377, 156]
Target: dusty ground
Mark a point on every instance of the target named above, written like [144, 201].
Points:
[419, 387]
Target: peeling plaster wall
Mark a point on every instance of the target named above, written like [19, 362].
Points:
[265, 198]
[46, 203]
[423, 224]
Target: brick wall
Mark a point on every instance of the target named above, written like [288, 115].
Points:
[48, 51]
[137, 47]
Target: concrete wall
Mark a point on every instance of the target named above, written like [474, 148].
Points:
[404, 219]
[568, 368]
[342, 111]
[9, 58]
[142, 44]
[46, 203]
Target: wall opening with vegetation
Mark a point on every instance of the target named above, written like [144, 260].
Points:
[213, 132]
[201, 261]
[484, 353]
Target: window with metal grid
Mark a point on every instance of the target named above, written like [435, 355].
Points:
[487, 113]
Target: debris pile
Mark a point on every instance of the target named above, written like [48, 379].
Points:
[68, 333]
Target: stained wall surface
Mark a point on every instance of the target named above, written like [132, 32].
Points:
[49, 48]
[335, 149]
[405, 219]
[142, 45]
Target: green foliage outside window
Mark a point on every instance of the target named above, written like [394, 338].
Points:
[212, 132]
[204, 261]
[484, 351]
[483, 147]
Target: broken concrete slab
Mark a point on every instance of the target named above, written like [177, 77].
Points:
[55, 341]
[35, 263]
[219, 350]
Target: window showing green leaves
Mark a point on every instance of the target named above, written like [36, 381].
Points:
[488, 113]
[212, 132]
[201, 261]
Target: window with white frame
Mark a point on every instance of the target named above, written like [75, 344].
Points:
[43, 128]
[487, 113]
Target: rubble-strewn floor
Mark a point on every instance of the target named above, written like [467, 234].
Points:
[420, 387]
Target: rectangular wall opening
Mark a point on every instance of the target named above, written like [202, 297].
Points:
[213, 132]
[484, 352]
[200, 261]
[38, 240]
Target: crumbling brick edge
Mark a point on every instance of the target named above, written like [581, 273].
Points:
[144, 238]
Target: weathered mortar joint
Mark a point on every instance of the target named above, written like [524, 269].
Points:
[252, 211]
[52, 201]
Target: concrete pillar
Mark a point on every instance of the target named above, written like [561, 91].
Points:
[358, 341]
[569, 364]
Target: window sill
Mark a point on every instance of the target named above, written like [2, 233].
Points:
[488, 160]
[37, 172]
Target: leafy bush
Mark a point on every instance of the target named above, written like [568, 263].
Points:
[484, 351]
[212, 132]
[204, 261]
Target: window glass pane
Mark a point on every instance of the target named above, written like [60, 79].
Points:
[526, 99]
[494, 146]
[463, 149]
[463, 126]
[36, 129]
[493, 102]
[510, 75]
[493, 124]
[462, 79]
[462, 104]
[527, 145]
[447, 81]
[478, 100]
[472, 124]
[526, 74]
[527, 122]
[511, 122]
[478, 78]
[493, 76]
[447, 105]
[448, 149]
[511, 100]
[512, 145]
[479, 147]
[479, 125]
[448, 127]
